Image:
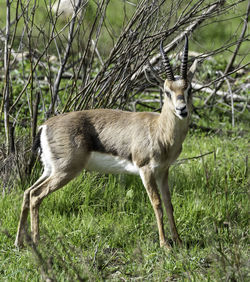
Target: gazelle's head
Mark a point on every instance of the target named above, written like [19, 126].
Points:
[177, 88]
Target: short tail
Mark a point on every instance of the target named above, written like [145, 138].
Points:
[37, 143]
[36, 146]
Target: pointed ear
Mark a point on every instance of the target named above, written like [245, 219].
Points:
[192, 70]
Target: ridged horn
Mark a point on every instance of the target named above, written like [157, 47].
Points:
[184, 60]
[166, 63]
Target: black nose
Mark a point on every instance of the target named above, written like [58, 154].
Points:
[184, 114]
[182, 111]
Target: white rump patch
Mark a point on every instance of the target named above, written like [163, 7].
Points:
[107, 163]
[46, 155]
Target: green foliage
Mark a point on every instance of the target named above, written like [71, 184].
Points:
[222, 29]
[102, 227]
[41, 27]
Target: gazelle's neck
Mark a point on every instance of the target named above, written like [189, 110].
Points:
[172, 129]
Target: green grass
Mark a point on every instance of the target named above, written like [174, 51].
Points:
[103, 227]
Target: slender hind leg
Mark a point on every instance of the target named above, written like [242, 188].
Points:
[51, 184]
[25, 210]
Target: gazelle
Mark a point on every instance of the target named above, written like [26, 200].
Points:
[114, 141]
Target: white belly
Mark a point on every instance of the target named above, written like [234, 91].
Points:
[107, 163]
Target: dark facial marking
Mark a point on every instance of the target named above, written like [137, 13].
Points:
[168, 94]
[180, 97]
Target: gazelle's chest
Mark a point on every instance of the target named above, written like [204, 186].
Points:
[166, 159]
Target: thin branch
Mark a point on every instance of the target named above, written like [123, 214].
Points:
[181, 161]
[65, 58]
[231, 61]
[232, 100]
[199, 87]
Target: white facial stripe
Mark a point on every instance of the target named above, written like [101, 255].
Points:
[107, 163]
[179, 82]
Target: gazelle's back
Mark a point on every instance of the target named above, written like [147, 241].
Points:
[109, 141]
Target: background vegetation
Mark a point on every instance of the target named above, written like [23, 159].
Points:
[102, 227]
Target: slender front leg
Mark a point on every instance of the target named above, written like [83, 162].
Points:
[151, 188]
[166, 197]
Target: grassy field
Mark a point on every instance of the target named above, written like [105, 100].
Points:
[103, 227]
